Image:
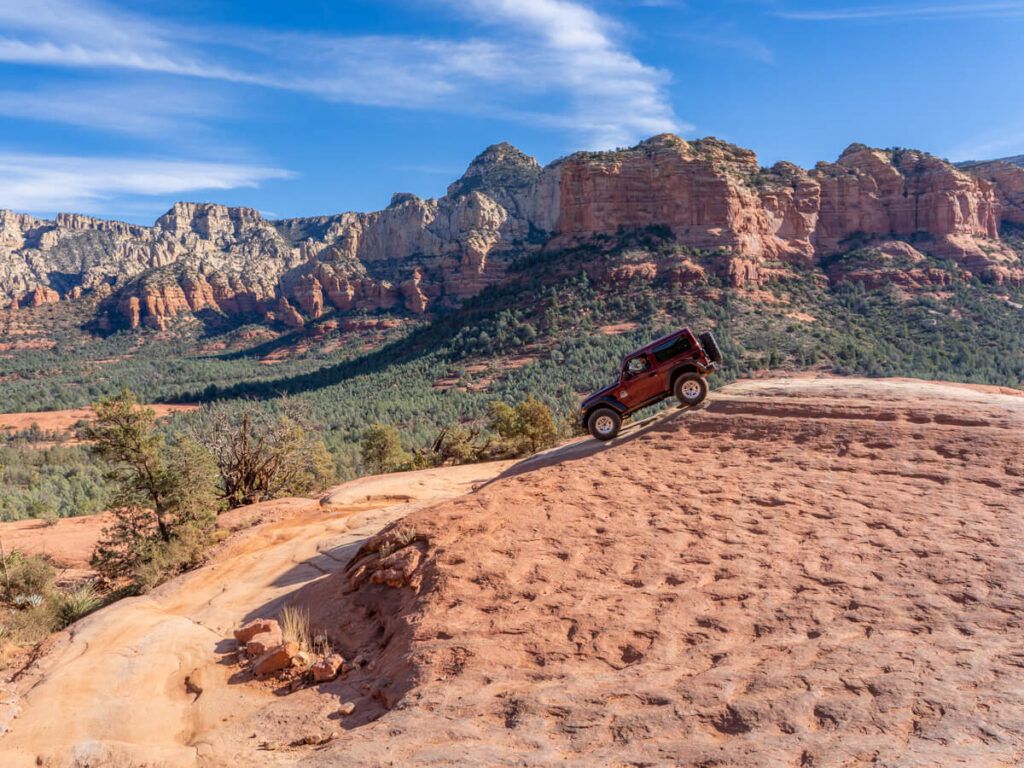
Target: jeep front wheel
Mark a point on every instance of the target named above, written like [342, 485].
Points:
[690, 389]
[604, 423]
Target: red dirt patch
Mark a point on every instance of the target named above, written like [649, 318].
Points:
[64, 421]
[69, 542]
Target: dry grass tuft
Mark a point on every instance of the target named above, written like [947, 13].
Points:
[295, 627]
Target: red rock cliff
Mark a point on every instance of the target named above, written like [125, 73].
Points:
[709, 193]
[872, 193]
[416, 253]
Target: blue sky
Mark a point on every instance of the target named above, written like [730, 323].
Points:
[313, 106]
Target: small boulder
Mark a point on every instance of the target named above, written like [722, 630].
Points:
[246, 632]
[262, 642]
[274, 660]
[347, 708]
[327, 668]
[397, 569]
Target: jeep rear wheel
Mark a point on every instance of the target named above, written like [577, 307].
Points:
[604, 423]
[690, 389]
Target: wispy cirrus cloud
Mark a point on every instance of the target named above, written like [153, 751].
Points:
[525, 51]
[554, 63]
[744, 45]
[898, 11]
[149, 110]
[49, 183]
[614, 97]
[73, 34]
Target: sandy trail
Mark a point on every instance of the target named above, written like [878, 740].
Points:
[111, 690]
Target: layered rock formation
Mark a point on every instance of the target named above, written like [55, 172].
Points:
[909, 194]
[1008, 179]
[707, 194]
[894, 263]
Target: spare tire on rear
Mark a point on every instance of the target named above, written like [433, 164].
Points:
[710, 344]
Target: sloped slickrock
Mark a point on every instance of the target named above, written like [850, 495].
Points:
[803, 572]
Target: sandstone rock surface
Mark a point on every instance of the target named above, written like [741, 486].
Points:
[1008, 179]
[61, 707]
[815, 572]
[871, 192]
[262, 642]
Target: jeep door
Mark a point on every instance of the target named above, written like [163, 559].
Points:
[642, 380]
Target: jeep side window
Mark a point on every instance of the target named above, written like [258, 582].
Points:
[636, 365]
[672, 348]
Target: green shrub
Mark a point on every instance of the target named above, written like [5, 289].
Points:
[261, 454]
[78, 602]
[29, 625]
[165, 560]
[167, 495]
[26, 576]
[526, 428]
[381, 449]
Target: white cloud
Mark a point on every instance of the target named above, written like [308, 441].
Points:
[742, 44]
[566, 47]
[138, 110]
[900, 12]
[534, 51]
[49, 183]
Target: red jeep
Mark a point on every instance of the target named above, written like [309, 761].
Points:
[673, 365]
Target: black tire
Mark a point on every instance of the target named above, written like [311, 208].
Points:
[604, 423]
[690, 389]
[710, 344]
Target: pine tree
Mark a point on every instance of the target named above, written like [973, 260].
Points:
[166, 495]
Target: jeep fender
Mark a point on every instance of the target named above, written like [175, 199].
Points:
[607, 401]
[687, 368]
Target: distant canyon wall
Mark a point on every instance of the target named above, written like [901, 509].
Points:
[416, 253]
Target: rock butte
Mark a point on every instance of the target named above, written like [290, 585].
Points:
[416, 253]
[803, 572]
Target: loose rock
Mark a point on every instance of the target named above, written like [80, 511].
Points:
[275, 659]
[246, 632]
[263, 642]
[327, 668]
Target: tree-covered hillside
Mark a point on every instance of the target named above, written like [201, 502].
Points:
[555, 327]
